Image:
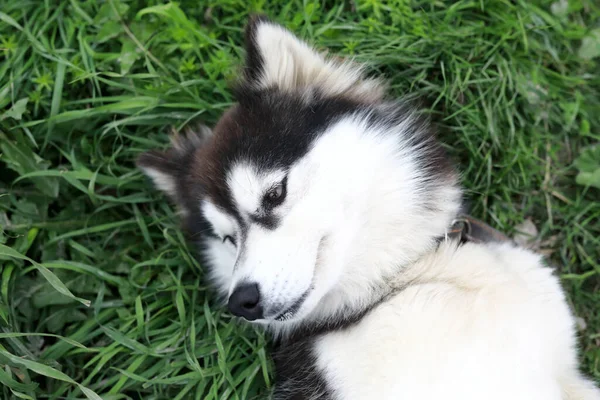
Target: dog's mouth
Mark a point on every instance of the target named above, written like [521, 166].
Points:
[293, 309]
[289, 312]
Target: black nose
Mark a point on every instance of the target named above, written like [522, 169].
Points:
[245, 302]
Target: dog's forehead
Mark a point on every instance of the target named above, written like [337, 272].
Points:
[263, 134]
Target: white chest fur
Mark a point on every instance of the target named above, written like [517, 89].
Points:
[477, 322]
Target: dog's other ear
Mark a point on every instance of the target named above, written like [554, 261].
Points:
[166, 168]
[277, 58]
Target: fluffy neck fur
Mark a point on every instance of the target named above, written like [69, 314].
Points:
[348, 304]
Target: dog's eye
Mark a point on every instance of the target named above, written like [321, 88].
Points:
[230, 239]
[276, 194]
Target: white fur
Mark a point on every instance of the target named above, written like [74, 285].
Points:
[162, 181]
[222, 224]
[474, 322]
[220, 254]
[221, 258]
[248, 185]
[290, 64]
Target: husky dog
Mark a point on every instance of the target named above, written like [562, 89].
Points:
[328, 208]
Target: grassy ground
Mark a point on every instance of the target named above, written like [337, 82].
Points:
[99, 293]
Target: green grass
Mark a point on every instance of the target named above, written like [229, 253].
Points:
[99, 292]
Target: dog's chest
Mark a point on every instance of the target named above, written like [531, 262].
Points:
[422, 344]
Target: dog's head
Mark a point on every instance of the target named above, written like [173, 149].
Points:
[315, 188]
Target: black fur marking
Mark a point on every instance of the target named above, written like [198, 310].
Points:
[296, 373]
[268, 221]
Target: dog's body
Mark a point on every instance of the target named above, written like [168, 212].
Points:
[465, 322]
[328, 208]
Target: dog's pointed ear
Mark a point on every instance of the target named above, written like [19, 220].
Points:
[161, 167]
[277, 58]
[167, 167]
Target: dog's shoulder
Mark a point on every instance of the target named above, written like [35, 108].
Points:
[479, 306]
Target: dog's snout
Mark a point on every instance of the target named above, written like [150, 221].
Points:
[245, 302]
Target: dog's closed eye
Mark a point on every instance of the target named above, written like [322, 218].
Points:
[230, 239]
